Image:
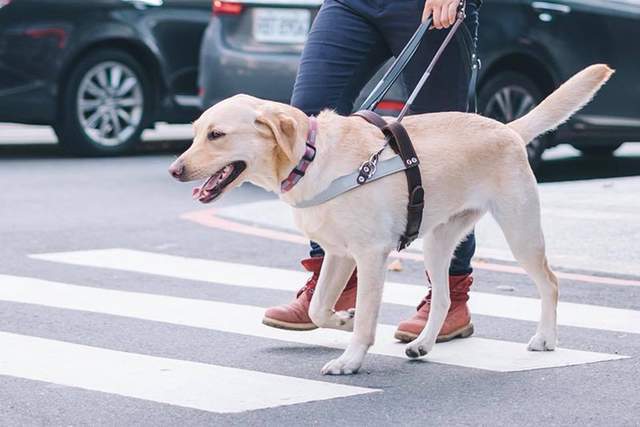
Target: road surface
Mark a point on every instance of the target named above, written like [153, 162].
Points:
[122, 302]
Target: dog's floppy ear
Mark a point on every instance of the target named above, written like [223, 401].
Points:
[282, 126]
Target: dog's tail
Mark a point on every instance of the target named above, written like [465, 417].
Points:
[558, 107]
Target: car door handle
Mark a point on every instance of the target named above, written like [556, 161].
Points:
[546, 7]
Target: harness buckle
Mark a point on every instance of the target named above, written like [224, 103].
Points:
[368, 169]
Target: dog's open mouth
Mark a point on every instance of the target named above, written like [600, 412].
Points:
[213, 187]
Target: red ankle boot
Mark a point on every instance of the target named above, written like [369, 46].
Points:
[295, 315]
[457, 324]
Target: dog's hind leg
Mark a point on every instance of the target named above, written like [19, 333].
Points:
[439, 245]
[517, 211]
[334, 275]
[371, 273]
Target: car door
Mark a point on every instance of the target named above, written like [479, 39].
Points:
[176, 27]
[31, 42]
[583, 32]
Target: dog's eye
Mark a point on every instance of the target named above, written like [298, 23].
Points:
[214, 134]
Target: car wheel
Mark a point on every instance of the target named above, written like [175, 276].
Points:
[598, 150]
[508, 96]
[106, 104]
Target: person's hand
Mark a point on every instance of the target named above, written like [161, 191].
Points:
[444, 12]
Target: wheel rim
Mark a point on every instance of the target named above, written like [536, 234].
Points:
[110, 103]
[510, 103]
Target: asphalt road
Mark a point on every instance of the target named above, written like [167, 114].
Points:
[122, 302]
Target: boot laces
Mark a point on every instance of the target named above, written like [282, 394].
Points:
[454, 293]
[425, 300]
[310, 286]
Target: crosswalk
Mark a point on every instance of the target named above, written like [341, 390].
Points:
[245, 275]
[177, 382]
[224, 389]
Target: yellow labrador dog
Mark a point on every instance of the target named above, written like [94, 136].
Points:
[470, 165]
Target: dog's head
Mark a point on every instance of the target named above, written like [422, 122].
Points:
[242, 139]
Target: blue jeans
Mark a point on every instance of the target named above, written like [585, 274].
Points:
[351, 39]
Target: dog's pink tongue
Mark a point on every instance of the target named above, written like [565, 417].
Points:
[210, 184]
[195, 193]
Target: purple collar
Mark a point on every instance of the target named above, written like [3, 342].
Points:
[309, 154]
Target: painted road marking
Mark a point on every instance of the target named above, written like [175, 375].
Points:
[177, 382]
[208, 218]
[479, 353]
[247, 275]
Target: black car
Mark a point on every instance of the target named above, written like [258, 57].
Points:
[100, 71]
[528, 48]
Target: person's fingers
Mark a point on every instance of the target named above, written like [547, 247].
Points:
[437, 23]
[426, 12]
[453, 13]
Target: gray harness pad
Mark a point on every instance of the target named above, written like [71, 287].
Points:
[349, 182]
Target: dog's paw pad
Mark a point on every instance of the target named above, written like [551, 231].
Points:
[415, 352]
[340, 367]
[541, 343]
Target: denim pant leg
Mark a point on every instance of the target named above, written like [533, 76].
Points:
[342, 53]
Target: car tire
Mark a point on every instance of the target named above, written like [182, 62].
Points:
[598, 150]
[106, 103]
[508, 96]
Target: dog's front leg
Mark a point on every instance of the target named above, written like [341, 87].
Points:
[334, 275]
[371, 272]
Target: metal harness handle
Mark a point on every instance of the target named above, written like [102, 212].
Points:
[400, 63]
[367, 169]
[396, 135]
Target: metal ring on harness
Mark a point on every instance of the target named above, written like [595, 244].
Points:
[396, 136]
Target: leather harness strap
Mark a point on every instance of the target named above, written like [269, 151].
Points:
[398, 139]
[371, 117]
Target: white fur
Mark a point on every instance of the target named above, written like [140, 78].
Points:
[470, 165]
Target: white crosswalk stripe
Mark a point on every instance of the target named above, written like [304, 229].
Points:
[177, 382]
[223, 389]
[479, 353]
[246, 275]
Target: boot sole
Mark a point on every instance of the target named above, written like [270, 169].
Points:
[279, 324]
[464, 332]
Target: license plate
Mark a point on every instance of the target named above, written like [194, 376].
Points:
[281, 25]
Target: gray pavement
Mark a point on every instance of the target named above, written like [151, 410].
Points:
[51, 204]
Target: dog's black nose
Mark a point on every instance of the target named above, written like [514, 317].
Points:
[176, 169]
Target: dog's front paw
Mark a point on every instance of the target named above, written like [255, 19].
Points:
[415, 350]
[542, 342]
[341, 366]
